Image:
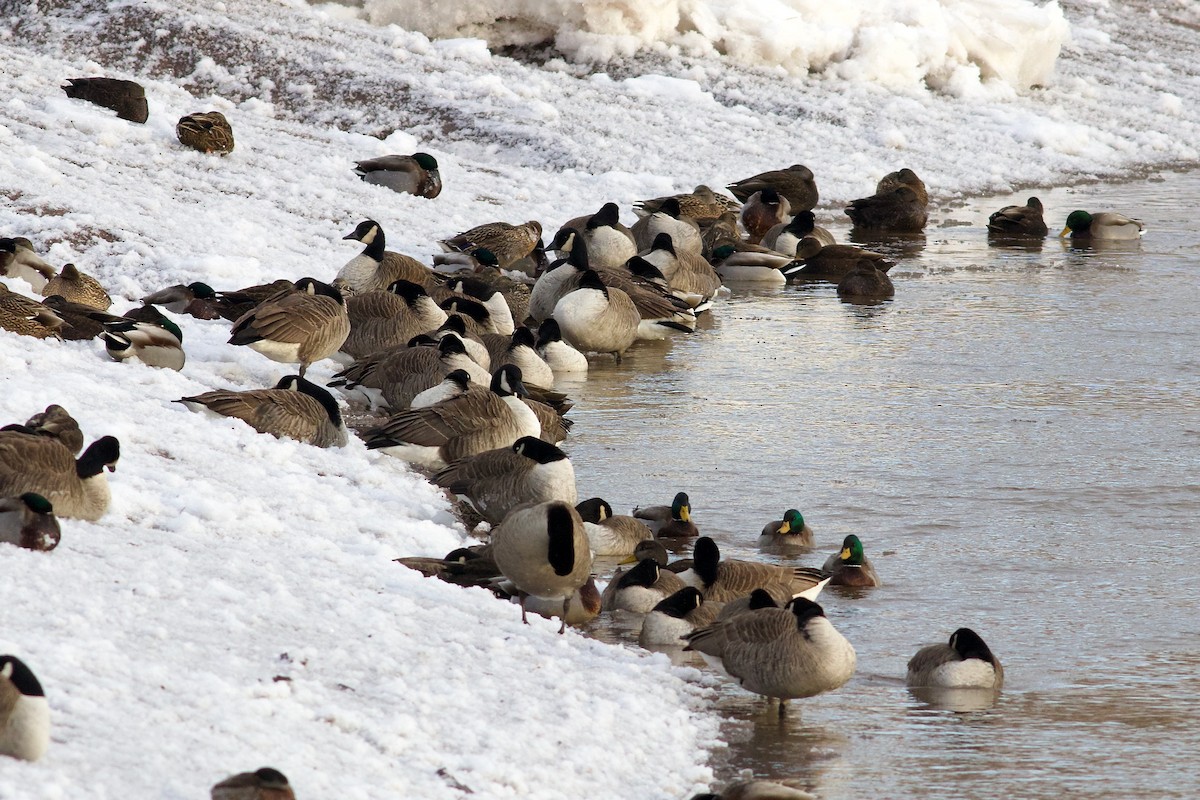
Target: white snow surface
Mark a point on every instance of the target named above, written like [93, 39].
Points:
[238, 606]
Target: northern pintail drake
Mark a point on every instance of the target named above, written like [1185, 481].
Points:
[611, 534]
[1107, 225]
[782, 653]
[497, 481]
[673, 521]
[19, 260]
[543, 550]
[509, 243]
[1025, 221]
[78, 489]
[963, 663]
[127, 98]
[722, 580]
[207, 131]
[28, 521]
[266, 783]
[294, 409]
[900, 205]
[20, 315]
[376, 267]
[850, 565]
[78, 287]
[24, 714]
[416, 174]
[796, 183]
[300, 325]
[792, 530]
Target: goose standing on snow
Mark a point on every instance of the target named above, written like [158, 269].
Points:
[850, 566]
[497, 481]
[377, 267]
[964, 663]
[24, 714]
[295, 409]
[596, 318]
[78, 489]
[262, 784]
[782, 653]
[28, 521]
[543, 550]
[1107, 225]
[416, 174]
[300, 325]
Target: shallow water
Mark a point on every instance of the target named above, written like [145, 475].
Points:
[1015, 438]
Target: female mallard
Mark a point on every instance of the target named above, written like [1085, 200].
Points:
[865, 284]
[20, 315]
[28, 521]
[78, 287]
[300, 325]
[900, 205]
[796, 183]
[850, 566]
[832, 262]
[509, 243]
[55, 423]
[195, 299]
[1103, 225]
[295, 409]
[208, 132]
[702, 203]
[416, 174]
[24, 715]
[1018, 221]
[78, 489]
[792, 530]
[964, 663]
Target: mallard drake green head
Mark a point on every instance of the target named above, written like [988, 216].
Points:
[850, 566]
[208, 132]
[416, 174]
[791, 530]
[1102, 225]
[28, 521]
[156, 342]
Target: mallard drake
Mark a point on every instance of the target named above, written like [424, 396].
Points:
[900, 205]
[377, 267]
[208, 132]
[722, 580]
[543, 550]
[1102, 225]
[964, 663]
[865, 284]
[416, 174]
[675, 617]
[57, 424]
[850, 566]
[28, 521]
[474, 422]
[763, 211]
[760, 790]
[595, 318]
[609, 243]
[700, 204]
[673, 521]
[509, 243]
[609, 534]
[24, 715]
[683, 231]
[295, 409]
[127, 98]
[1019, 221]
[20, 315]
[300, 325]
[796, 183]
[497, 481]
[78, 287]
[639, 589]
[792, 530]
[18, 260]
[262, 784]
[784, 653]
[78, 489]
[562, 357]
[195, 299]
[818, 262]
[155, 344]
[784, 237]
[750, 266]
[392, 379]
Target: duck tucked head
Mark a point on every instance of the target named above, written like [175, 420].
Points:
[968, 644]
[295, 383]
[36, 503]
[852, 551]
[426, 161]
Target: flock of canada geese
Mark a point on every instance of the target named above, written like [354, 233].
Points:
[461, 357]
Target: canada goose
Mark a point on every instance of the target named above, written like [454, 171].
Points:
[608, 242]
[196, 299]
[670, 521]
[675, 617]
[792, 530]
[1018, 221]
[609, 534]
[850, 566]
[582, 607]
[784, 237]
[376, 267]
[900, 205]
[455, 383]
[24, 715]
[475, 315]
[127, 98]
[416, 174]
[28, 521]
[496, 481]
[154, 344]
[964, 663]
[796, 183]
[520, 351]
[509, 243]
[684, 232]
[392, 378]
[500, 316]
[463, 566]
[1102, 225]
[700, 204]
[78, 489]
[760, 790]
[208, 132]
[543, 550]
[559, 355]
[689, 274]
[371, 332]
[294, 409]
[480, 351]
[640, 588]
[722, 580]
[20, 315]
[262, 784]
[750, 266]
[233, 304]
[595, 318]
[56, 423]
[818, 262]
[78, 287]
[18, 260]
[783, 653]
[865, 284]
[474, 422]
[764, 210]
[297, 326]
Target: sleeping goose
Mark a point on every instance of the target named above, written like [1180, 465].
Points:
[595, 318]
[608, 242]
[784, 237]
[77, 489]
[295, 409]
[496, 481]
[639, 589]
[455, 383]
[392, 378]
[560, 356]
[964, 663]
[684, 232]
[376, 267]
[24, 715]
[300, 325]
[28, 521]
[676, 616]
[416, 174]
[383, 320]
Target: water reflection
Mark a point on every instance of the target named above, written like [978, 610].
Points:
[961, 701]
